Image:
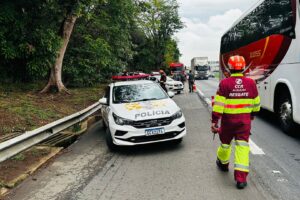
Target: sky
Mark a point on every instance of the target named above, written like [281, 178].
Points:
[205, 22]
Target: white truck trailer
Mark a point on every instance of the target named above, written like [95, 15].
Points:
[200, 68]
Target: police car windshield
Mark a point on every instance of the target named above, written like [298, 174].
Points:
[138, 92]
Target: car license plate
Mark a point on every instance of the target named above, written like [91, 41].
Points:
[154, 131]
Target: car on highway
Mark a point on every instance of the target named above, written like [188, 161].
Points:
[140, 112]
[171, 84]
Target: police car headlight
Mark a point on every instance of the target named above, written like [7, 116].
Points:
[121, 121]
[177, 115]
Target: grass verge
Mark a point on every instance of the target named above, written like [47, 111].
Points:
[22, 108]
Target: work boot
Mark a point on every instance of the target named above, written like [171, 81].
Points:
[221, 166]
[241, 185]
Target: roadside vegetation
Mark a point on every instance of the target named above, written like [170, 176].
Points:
[23, 108]
[75, 43]
[55, 54]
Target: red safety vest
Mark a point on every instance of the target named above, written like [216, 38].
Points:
[236, 103]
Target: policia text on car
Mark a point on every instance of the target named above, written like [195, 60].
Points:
[235, 104]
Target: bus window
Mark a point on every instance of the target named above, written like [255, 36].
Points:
[269, 18]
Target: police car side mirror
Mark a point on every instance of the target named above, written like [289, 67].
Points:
[103, 101]
[171, 94]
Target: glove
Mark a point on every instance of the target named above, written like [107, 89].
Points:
[214, 128]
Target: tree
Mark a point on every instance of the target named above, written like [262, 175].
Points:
[101, 45]
[160, 21]
[28, 39]
[39, 39]
[72, 10]
[172, 53]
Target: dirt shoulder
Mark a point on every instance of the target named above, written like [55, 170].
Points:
[22, 108]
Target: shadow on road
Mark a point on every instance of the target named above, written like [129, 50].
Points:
[271, 119]
[151, 149]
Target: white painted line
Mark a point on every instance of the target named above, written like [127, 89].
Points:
[276, 172]
[255, 150]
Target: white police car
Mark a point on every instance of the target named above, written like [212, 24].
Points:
[140, 112]
[171, 84]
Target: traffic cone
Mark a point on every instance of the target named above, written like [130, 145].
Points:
[194, 88]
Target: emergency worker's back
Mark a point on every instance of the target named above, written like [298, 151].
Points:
[238, 94]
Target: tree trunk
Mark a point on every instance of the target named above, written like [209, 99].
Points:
[55, 79]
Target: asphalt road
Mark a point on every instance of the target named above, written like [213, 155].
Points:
[87, 170]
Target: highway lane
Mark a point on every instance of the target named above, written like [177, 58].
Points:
[279, 168]
[163, 171]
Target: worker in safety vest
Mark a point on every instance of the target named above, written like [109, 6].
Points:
[235, 105]
[163, 79]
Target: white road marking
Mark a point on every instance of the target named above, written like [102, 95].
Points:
[255, 150]
[282, 180]
[276, 172]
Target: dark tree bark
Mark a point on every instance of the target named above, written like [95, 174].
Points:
[55, 79]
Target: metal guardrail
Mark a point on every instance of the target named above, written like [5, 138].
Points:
[20, 143]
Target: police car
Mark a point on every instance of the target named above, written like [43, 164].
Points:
[171, 84]
[140, 112]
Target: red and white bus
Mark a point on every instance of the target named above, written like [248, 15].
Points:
[176, 68]
[268, 36]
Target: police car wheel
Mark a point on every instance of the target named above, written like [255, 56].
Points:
[103, 125]
[109, 141]
[178, 92]
[285, 114]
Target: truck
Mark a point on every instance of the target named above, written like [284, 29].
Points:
[177, 68]
[200, 68]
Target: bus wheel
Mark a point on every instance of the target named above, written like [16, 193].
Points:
[285, 113]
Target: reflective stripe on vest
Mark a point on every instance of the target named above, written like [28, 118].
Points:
[219, 104]
[256, 106]
[238, 106]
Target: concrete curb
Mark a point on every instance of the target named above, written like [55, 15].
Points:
[84, 126]
[204, 99]
[11, 184]
[32, 169]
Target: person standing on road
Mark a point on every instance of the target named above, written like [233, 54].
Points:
[235, 105]
[182, 78]
[163, 79]
[191, 80]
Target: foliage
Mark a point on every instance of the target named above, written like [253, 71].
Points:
[159, 21]
[108, 36]
[18, 157]
[28, 41]
[103, 41]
